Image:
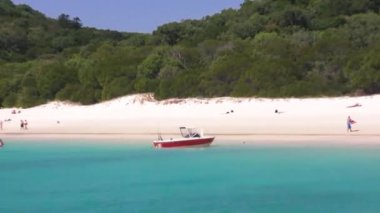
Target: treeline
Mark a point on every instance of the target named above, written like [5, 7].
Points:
[267, 48]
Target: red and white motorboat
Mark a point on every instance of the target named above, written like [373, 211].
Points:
[191, 137]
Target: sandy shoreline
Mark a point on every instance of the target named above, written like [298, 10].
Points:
[250, 119]
[258, 140]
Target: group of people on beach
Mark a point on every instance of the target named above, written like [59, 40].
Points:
[24, 124]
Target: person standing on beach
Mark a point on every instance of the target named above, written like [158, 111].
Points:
[349, 123]
[25, 124]
[22, 124]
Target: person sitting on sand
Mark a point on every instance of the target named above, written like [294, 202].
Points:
[349, 123]
[277, 111]
[355, 105]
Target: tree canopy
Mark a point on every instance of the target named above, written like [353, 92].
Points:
[266, 48]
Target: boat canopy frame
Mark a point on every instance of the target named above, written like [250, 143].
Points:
[191, 132]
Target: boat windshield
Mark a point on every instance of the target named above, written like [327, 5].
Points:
[190, 132]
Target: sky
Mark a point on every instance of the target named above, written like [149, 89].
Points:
[130, 15]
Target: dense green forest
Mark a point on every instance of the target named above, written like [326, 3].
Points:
[266, 48]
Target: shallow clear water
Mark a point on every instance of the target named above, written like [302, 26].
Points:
[53, 176]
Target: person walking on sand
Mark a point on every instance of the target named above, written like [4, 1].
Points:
[349, 123]
[22, 124]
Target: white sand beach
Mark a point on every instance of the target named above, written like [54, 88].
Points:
[224, 117]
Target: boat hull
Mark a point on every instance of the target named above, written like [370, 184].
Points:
[191, 142]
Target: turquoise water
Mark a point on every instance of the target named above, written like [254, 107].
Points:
[82, 177]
